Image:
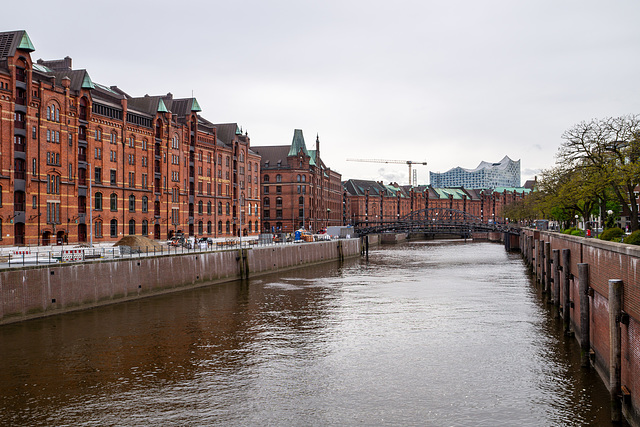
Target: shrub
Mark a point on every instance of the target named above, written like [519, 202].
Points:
[612, 234]
[633, 238]
[577, 233]
[568, 230]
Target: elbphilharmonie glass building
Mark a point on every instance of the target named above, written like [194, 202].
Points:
[506, 173]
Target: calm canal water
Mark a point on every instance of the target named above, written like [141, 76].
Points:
[426, 333]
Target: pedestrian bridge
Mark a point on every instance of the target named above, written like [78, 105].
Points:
[434, 221]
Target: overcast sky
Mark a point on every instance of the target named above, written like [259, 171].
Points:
[450, 82]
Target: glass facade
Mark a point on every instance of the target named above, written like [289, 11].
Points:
[506, 173]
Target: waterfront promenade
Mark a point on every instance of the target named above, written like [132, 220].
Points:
[45, 289]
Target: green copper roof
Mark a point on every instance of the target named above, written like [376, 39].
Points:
[161, 107]
[312, 160]
[297, 144]
[86, 82]
[25, 43]
[195, 106]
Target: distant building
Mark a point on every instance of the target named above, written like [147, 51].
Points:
[298, 189]
[506, 173]
[373, 201]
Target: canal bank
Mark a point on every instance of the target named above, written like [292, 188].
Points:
[38, 291]
[595, 288]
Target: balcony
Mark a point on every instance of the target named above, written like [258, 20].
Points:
[19, 124]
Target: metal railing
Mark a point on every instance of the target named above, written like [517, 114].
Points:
[29, 256]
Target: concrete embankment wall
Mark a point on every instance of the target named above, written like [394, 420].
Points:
[595, 287]
[39, 291]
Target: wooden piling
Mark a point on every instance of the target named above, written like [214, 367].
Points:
[547, 269]
[556, 281]
[566, 306]
[615, 348]
[536, 262]
[583, 284]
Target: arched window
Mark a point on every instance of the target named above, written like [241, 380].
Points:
[278, 178]
[132, 227]
[242, 156]
[200, 227]
[219, 227]
[99, 135]
[266, 202]
[145, 227]
[228, 227]
[219, 208]
[114, 138]
[301, 200]
[208, 208]
[113, 228]
[113, 199]
[249, 224]
[298, 178]
[278, 202]
[304, 178]
[132, 203]
[98, 203]
[200, 206]
[228, 209]
[209, 227]
[145, 204]
[256, 225]
[175, 142]
[266, 178]
[98, 228]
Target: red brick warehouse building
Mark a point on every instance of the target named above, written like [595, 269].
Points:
[83, 160]
[298, 189]
[372, 201]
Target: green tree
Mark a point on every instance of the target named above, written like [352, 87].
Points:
[607, 152]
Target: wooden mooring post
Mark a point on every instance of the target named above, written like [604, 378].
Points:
[583, 284]
[615, 348]
[566, 297]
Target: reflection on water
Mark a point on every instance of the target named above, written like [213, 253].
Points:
[420, 334]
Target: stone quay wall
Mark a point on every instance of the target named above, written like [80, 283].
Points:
[595, 288]
[45, 290]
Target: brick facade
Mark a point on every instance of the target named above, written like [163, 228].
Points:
[370, 201]
[82, 161]
[298, 189]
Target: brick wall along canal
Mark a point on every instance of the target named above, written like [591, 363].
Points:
[421, 334]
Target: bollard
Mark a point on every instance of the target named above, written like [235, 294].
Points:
[566, 306]
[615, 348]
[583, 284]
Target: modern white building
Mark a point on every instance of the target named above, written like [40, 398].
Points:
[505, 173]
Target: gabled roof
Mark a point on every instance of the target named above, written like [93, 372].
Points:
[11, 41]
[227, 132]
[273, 156]
[80, 79]
[359, 187]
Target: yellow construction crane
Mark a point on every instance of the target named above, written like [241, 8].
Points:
[404, 162]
